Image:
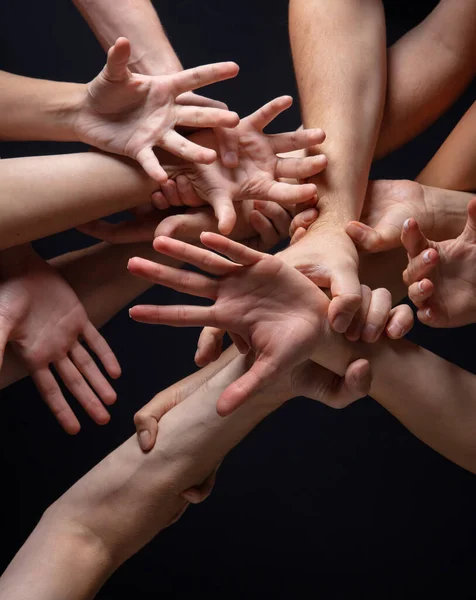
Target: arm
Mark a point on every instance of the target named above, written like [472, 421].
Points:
[453, 166]
[130, 496]
[138, 21]
[428, 69]
[340, 63]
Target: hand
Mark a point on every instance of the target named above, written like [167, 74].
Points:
[127, 113]
[276, 310]
[440, 276]
[258, 168]
[328, 257]
[387, 205]
[43, 318]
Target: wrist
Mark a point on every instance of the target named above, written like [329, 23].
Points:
[66, 107]
[449, 212]
[155, 63]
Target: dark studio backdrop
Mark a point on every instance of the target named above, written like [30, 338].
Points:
[337, 504]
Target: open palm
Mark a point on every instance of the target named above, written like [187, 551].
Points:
[43, 319]
[275, 309]
[259, 166]
[128, 113]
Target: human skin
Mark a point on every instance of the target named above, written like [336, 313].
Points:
[121, 504]
[339, 58]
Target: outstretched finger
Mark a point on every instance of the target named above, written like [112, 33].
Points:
[117, 59]
[196, 116]
[300, 168]
[400, 322]
[77, 385]
[179, 280]
[192, 79]
[233, 250]
[209, 346]
[267, 113]
[289, 194]
[54, 399]
[102, 350]
[180, 146]
[296, 140]
[236, 394]
[175, 316]
[413, 239]
[198, 257]
[87, 367]
[224, 210]
[150, 163]
[192, 99]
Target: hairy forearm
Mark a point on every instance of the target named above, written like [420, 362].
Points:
[36, 109]
[437, 403]
[43, 195]
[428, 69]
[130, 496]
[137, 20]
[340, 63]
[453, 166]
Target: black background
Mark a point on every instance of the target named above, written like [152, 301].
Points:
[335, 504]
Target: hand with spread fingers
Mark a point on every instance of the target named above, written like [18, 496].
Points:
[258, 170]
[440, 276]
[127, 113]
[44, 321]
[273, 309]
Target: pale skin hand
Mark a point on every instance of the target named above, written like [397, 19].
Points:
[126, 113]
[440, 276]
[44, 321]
[255, 177]
[259, 298]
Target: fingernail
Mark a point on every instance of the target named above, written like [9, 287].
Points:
[341, 322]
[129, 311]
[231, 157]
[358, 233]
[420, 287]
[395, 330]
[427, 257]
[406, 225]
[370, 332]
[428, 313]
[144, 439]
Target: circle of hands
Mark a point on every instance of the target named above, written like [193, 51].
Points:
[230, 181]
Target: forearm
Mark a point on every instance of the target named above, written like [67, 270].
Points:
[152, 53]
[340, 62]
[36, 109]
[43, 195]
[428, 69]
[437, 403]
[130, 496]
[454, 165]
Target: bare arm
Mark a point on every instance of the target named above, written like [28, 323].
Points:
[428, 69]
[121, 504]
[430, 396]
[138, 21]
[340, 62]
[64, 191]
[454, 165]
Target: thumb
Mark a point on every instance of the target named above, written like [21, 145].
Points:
[469, 232]
[147, 420]
[382, 237]
[224, 212]
[117, 58]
